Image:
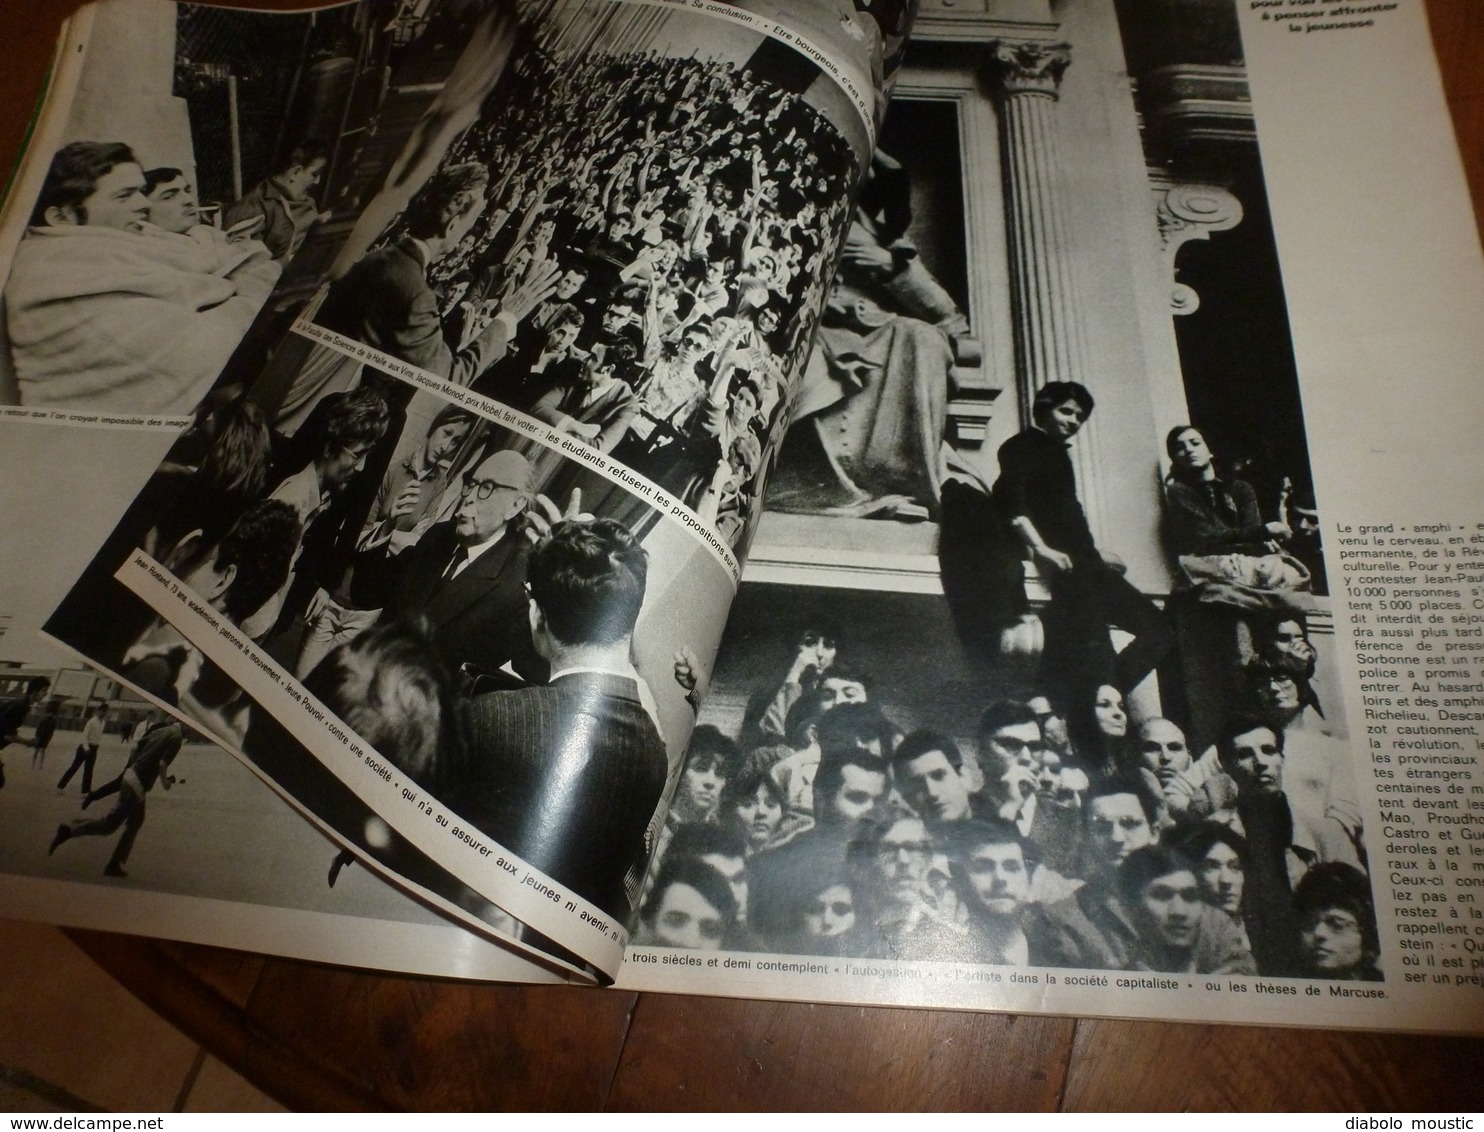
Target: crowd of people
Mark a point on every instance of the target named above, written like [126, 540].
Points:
[824, 829]
[1058, 831]
[646, 250]
[444, 591]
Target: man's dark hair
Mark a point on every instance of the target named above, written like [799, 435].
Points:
[1055, 393]
[1146, 864]
[163, 175]
[806, 712]
[588, 579]
[240, 452]
[357, 417]
[831, 774]
[1004, 713]
[714, 888]
[1128, 783]
[961, 838]
[1299, 669]
[853, 727]
[920, 743]
[708, 747]
[391, 688]
[75, 171]
[624, 358]
[306, 153]
[444, 199]
[1196, 842]
[1334, 884]
[1233, 729]
[846, 670]
[700, 838]
[261, 545]
[37, 684]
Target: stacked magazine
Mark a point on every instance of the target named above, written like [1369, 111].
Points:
[972, 507]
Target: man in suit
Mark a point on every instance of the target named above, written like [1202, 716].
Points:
[567, 776]
[467, 574]
[385, 301]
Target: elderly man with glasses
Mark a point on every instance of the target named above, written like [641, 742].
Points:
[467, 574]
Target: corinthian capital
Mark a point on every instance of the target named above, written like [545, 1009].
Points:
[1028, 68]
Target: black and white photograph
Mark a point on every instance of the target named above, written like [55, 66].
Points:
[457, 596]
[150, 249]
[625, 243]
[1006, 684]
[199, 838]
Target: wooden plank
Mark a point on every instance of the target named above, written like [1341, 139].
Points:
[1165, 1067]
[429, 1044]
[697, 1053]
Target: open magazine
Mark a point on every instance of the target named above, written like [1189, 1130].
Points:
[408, 397]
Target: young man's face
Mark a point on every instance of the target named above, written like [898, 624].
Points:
[342, 465]
[1189, 451]
[1221, 876]
[172, 206]
[700, 788]
[299, 179]
[687, 919]
[117, 200]
[560, 337]
[1016, 744]
[1116, 826]
[830, 913]
[998, 876]
[1255, 763]
[569, 284]
[1172, 905]
[1062, 421]
[859, 790]
[617, 318]
[934, 787]
[1332, 940]
[1163, 750]
[1053, 726]
[904, 857]
[1278, 693]
[841, 690]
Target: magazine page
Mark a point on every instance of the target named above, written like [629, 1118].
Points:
[197, 108]
[221, 858]
[511, 424]
[1163, 701]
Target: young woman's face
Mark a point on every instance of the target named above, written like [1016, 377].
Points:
[1108, 708]
[1189, 451]
[760, 814]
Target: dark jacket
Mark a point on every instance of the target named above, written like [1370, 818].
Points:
[567, 776]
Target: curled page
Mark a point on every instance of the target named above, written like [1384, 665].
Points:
[447, 548]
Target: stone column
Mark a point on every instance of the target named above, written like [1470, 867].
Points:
[1050, 344]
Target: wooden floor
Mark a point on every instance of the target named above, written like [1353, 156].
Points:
[320, 1037]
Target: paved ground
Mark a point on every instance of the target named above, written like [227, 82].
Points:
[220, 832]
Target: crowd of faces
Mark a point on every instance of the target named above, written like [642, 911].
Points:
[690, 208]
[913, 845]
